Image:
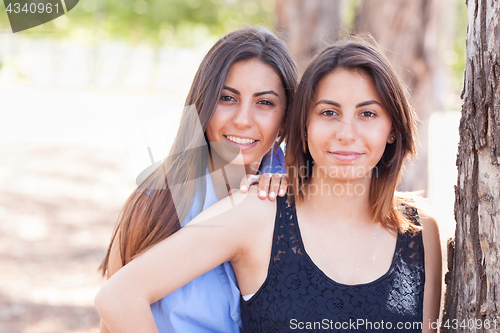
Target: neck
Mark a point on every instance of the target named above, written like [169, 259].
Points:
[340, 200]
[228, 176]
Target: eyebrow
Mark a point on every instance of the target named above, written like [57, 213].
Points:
[325, 101]
[272, 92]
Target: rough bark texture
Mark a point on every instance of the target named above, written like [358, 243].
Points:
[414, 34]
[307, 25]
[473, 280]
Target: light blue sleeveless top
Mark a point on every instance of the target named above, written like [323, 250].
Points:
[211, 302]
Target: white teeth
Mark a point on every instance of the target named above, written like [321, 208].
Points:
[240, 141]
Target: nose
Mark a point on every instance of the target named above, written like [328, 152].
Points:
[243, 116]
[346, 131]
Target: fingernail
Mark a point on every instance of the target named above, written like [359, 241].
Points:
[262, 194]
[282, 192]
[272, 195]
[243, 188]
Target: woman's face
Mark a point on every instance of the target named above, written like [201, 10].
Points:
[249, 113]
[347, 128]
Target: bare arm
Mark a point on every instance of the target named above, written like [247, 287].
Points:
[213, 237]
[433, 272]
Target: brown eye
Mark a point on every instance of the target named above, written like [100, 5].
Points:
[266, 102]
[329, 113]
[227, 98]
[368, 114]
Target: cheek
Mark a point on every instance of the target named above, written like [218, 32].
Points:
[270, 124]
[318, 133]
[377, 142]
[210, 132]
[317, 141]
[215, 125]
[381, 134]
[279, 122]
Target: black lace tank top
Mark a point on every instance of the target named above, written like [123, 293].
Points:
[298, 297]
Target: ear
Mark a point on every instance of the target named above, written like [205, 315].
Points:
[282, 128]
[392, 137]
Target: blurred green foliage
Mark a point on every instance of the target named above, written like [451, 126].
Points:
[178, 22]
[459, 46]
[349, 9]
[166, 22]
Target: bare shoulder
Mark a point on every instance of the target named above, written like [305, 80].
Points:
[432, 242]
[430, 227]
[418, 207]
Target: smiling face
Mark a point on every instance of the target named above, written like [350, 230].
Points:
[249, 113]
[347, 127]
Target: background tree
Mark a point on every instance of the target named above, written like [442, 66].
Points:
[306, 25]
[473, 280]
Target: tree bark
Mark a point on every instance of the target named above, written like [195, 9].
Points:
[307, 25]
[473, 280]
[414, 34]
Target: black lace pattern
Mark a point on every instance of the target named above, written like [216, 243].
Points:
[298, 296]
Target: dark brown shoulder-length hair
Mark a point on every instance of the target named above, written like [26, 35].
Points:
[360, 54]
[150, 214]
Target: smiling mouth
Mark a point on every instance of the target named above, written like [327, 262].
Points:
[240, 141]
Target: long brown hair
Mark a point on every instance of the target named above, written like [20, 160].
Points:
[357, 54]
[150, 214]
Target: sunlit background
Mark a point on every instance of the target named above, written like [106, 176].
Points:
[81, 99]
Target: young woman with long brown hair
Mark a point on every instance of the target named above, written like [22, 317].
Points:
[345, 252]
[234, 115]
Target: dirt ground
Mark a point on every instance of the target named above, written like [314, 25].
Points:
[58, 205]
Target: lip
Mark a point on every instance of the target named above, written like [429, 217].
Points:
[241, 146]
[346, 156]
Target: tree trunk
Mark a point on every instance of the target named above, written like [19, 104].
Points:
[306, 25]
[473, 280]
[414, 34]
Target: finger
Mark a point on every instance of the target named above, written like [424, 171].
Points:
[247, 181]
[283, 185]
[244, 184]
[274, 186]
[264, 182]
[232, 191]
